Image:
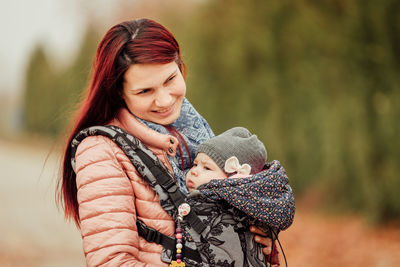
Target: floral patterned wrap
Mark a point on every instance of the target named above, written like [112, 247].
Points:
[266, 197]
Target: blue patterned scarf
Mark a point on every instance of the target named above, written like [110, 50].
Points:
[194, 129]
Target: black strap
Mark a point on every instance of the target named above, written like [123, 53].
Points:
[195, 222]
[152, 235]
[168, 184]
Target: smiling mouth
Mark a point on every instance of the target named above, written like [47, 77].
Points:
[165, 111]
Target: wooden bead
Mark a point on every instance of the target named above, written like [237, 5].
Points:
[177, 264]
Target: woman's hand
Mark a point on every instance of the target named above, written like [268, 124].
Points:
[262, 239]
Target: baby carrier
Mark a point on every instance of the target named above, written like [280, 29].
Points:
[216, 228]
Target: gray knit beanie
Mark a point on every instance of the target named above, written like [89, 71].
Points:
[238, 142]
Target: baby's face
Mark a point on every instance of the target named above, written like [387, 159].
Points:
[204, 170]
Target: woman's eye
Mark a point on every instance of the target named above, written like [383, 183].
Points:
[143, 91]
[171, 78]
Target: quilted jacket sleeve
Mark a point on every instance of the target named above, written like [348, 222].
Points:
[106, 206]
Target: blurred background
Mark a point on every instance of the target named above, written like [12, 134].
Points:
[317, 81]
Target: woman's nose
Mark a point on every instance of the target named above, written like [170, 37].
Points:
[163, 97]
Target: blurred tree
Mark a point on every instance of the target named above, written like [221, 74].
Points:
[38, 93]
[50, 95]
[374, 59]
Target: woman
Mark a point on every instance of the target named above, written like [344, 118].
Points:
[137, 84]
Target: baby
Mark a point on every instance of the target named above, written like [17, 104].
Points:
[234, 153]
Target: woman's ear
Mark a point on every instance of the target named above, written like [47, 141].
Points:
[121, 94]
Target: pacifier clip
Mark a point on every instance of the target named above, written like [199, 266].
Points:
[183, 210]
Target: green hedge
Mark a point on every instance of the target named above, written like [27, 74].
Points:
[318, 81]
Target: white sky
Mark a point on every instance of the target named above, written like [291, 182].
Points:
[59, 24]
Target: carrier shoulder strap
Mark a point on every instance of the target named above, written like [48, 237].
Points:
[154, 172]
[154, 236]
[169, 185]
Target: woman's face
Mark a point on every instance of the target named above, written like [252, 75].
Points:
[154, 92]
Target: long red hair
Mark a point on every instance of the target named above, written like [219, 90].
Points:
[130, 42]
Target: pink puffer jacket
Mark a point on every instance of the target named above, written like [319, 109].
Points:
[111, 195]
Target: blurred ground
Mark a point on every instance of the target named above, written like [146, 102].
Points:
[34, 233]
[326, 240]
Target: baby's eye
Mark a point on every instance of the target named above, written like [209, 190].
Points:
[207, 168]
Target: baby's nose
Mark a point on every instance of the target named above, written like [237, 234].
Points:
[193, 171]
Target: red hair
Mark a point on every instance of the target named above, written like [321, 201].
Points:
[130, 42]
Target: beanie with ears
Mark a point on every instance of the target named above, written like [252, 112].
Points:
[236, 142]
